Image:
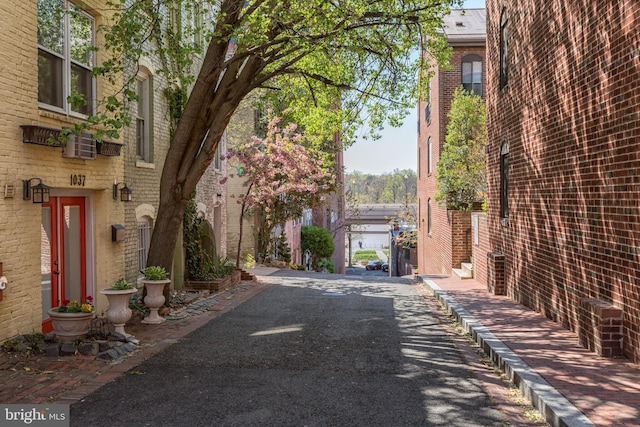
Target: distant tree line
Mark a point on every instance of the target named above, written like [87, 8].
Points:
[399, 186]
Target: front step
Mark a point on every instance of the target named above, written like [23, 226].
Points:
[467, 267]
[244, 275]
[466, 272]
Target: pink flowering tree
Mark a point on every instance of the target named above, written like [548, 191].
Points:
[283, 176]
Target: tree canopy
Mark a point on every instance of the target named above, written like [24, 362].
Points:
[461, 169]
[328, 61]
[399, 186]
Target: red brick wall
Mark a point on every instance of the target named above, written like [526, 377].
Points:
[435, 252]
[461, 237]
[570, 116]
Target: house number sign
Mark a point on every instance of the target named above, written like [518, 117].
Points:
[78, 180]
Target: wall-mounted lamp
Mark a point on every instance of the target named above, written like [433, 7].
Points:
[125, 192]
[40, 192]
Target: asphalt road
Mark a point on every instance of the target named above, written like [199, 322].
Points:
[313, 350]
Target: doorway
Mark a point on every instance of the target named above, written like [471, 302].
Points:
[63, 252]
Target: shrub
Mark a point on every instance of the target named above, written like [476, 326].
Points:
[326, 264]
[318, 240]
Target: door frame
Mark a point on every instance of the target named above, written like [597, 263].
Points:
[57, 197]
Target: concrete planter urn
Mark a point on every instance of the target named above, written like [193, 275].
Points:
[69, 327]
[119, 312]
[154, 300]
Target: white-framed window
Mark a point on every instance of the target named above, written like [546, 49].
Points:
[144, 116]
[66, 57]
[144, 241]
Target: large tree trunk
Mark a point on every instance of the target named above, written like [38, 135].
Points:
[220, 87]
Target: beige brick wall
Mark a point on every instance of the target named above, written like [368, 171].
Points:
[240, 129]
[20, 220]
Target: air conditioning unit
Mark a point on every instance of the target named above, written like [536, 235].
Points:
[80, 146]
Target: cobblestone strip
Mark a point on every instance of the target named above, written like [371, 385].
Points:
[65, 380]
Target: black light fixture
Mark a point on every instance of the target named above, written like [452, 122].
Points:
[125, 192]
[39, 192]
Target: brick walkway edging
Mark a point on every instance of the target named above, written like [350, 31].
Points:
[556, 409]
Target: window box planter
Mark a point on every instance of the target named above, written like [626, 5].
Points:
[41, 136]
[108, 148]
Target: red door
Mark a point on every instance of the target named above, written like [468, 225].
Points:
[63, 253]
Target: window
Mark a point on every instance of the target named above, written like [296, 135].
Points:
[66, 40]
[144, 240]
[144, 116]
[427, 108]
[504, 181]
[504, 52]
[217, 157]
[429, 156]
[198, 23]
[175, 20]
[429, 213]
[472, 74]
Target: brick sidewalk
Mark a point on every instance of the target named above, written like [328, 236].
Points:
[67, 379]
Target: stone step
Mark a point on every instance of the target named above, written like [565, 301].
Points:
[467, 267]
[461, 273]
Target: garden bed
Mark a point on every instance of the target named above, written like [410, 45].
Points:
[214, 285]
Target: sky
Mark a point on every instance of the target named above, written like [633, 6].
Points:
[397, 148]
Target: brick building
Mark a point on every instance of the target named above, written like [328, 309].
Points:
[61, 248]
[444, 237]
[563, 166]
[85, 236]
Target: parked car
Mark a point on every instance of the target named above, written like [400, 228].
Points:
[374, 265]
[385, 266]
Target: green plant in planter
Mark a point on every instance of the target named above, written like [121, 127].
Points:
[155, 272]
[121, 285]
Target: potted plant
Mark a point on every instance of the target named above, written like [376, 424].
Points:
[155, 278]
[72, 319]
[119, 312]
